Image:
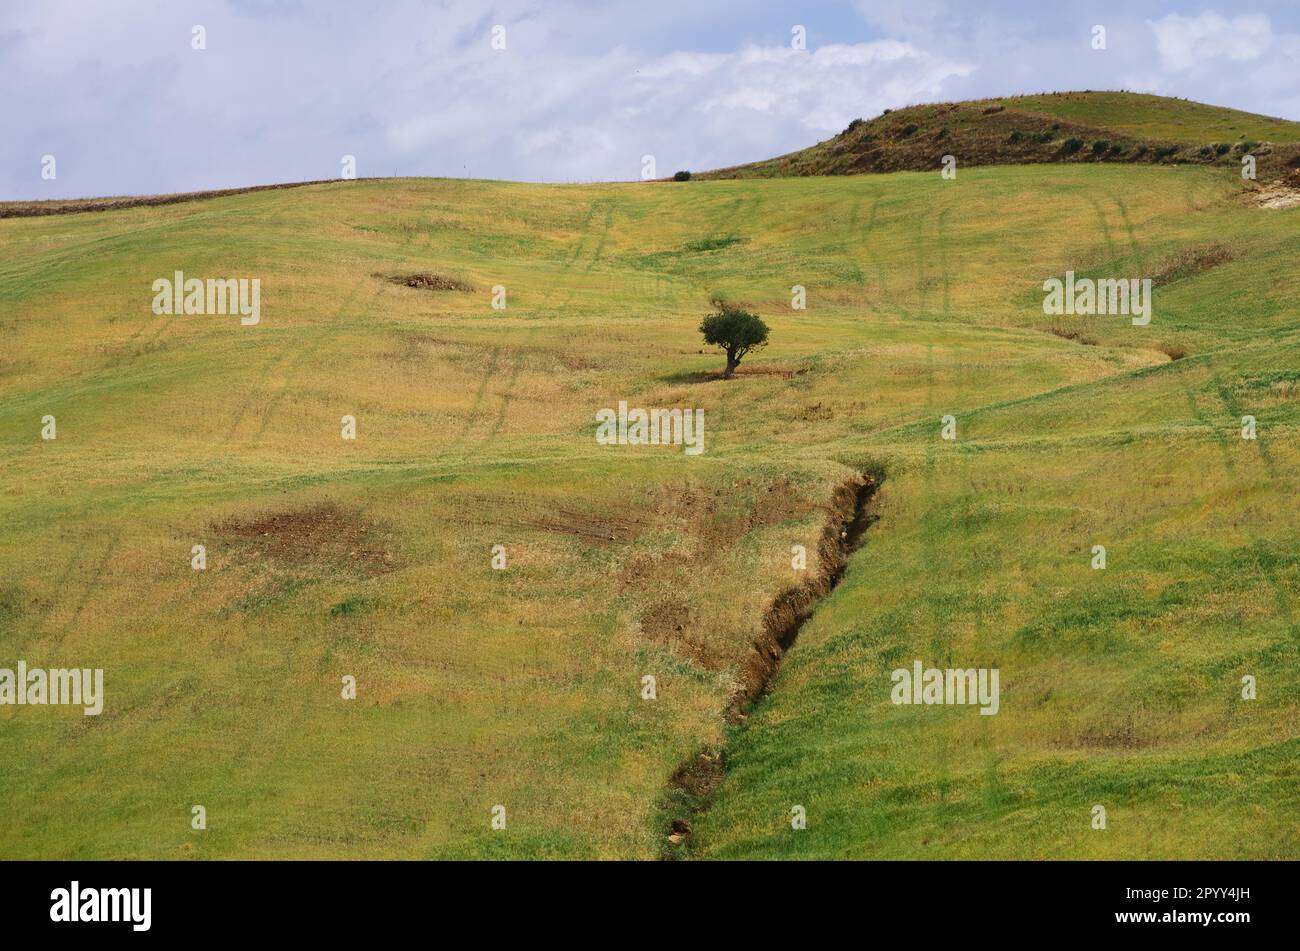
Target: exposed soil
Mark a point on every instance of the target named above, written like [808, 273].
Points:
[427, 282]
[692, 786]
[851, 514]
[666, 620]
[322, 534]
[852, 511]
[590, 527]
[1279, 194]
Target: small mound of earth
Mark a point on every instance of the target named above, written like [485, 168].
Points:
[428, 282]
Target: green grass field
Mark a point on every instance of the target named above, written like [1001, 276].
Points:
[475, 427]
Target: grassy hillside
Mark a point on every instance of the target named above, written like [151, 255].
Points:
[1156, 117]
[1072, 127]
[475, 427]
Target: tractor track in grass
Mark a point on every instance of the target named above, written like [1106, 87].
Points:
[519, 357]
[287, 360]
[690, 791]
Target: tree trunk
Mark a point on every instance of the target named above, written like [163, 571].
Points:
[732, 363]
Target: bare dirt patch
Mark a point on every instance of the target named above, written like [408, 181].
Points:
[427, 282]
[1284, 193]
[323, 534]
[608, 529]
[665, 619]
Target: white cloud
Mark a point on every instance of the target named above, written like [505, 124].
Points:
[1245, 62]
[595, 116]
[821, 90]
[1184, 42]
[909, 18]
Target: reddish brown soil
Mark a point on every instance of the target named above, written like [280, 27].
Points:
[323, 534]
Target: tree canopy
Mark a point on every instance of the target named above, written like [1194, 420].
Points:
[736, 331]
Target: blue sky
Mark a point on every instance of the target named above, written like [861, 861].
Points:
[581, 92]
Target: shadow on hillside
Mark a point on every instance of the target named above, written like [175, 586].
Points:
[708, 376]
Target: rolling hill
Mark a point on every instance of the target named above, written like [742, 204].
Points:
[500, 585]
[1071, 127]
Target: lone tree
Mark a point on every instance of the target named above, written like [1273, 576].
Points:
[736, 331]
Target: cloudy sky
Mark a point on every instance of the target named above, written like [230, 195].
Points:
[115, 91]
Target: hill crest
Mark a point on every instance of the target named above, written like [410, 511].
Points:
[1048, 128]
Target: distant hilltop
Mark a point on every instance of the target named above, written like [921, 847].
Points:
[1047, 128]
